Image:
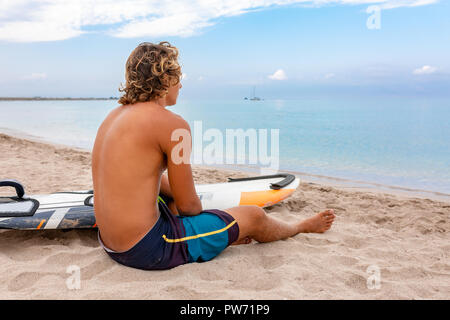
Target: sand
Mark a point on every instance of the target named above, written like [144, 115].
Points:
[381, 246]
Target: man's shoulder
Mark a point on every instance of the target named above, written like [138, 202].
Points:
[170, 128]
[167, 121]
[159, 125]
[160, 119]
[175, 120]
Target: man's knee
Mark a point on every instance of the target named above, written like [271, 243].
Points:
[257, 213]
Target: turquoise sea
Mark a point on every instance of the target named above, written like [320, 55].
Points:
[394, 141]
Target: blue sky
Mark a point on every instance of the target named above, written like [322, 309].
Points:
[287, 49]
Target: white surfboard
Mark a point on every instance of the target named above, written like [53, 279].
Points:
[74, 209]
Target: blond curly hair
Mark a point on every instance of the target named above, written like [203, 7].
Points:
[150, 70]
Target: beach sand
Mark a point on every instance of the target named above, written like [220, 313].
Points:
[404, 240]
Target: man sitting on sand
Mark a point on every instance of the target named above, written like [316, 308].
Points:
[132, 150]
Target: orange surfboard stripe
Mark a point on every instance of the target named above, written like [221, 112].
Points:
[264, 198]
[40, 224]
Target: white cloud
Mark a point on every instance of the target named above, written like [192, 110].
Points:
[278, 75]
[329, 75]
[52, 20]
[425, 70]
[35, 76]
[392, 4]
[200, 78]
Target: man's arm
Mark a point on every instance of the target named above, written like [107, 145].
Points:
[176, 143]
[165, 186]
[165, 190]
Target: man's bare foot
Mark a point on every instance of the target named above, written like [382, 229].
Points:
[320, 223]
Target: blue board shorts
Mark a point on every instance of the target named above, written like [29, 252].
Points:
[176, 240]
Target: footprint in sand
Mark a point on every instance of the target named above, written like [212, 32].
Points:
[383, 220]
[357, 283]
[354, 242]
[272, 262]
[296, 205]
[309, 239]
[344, 260]
[179, 292]
[24, 280]
[96, 267]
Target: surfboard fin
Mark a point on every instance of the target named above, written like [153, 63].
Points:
[288, 178]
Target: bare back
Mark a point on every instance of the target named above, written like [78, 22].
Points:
[127, 164]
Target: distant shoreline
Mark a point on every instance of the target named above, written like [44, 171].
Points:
[49, 98]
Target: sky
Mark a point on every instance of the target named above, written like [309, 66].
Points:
[283, 48]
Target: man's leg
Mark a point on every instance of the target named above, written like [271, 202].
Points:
[254, 223]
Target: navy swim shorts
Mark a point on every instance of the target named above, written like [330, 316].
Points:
[176, 240]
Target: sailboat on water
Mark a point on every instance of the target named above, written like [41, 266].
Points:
[253, 98]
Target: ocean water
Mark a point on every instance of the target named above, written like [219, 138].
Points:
[394, 141]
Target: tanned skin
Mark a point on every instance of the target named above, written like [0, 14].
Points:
[131, 152]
